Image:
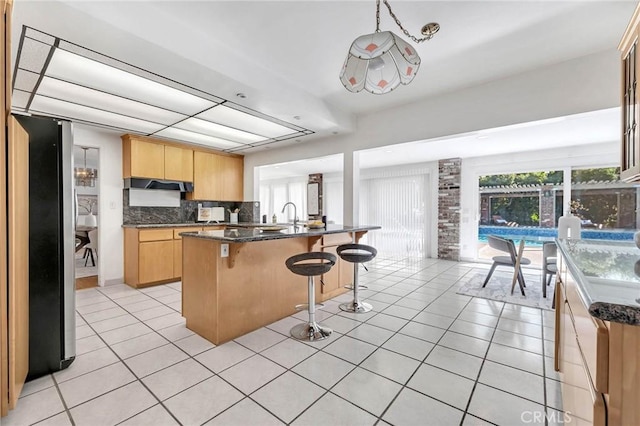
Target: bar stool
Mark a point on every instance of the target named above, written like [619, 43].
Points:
[356, 253]
[300, 264]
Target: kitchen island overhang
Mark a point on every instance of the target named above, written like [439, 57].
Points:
[228, 291]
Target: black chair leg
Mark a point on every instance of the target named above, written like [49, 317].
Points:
[93, 262]
[493, 268]
[521, 283]
[521, 277]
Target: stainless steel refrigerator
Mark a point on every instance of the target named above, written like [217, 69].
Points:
[52, 341]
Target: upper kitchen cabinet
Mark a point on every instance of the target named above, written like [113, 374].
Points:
[146, 158]
[232, 178]
[217, 177]
[178, 163]
[630, 150]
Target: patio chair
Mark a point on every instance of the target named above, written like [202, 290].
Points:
[549, 264]
[506, 246]
[498, 220]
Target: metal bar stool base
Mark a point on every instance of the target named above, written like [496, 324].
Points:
[356, 307]
[310, 332]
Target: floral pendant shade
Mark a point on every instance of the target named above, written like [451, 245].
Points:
[378, 63]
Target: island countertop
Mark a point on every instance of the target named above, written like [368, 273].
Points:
[606, 274]
[243, 233]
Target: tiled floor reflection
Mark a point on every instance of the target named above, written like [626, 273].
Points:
[425, 356]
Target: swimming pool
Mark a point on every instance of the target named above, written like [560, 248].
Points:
[594, 234]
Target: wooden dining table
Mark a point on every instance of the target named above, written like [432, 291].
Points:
[522, 238]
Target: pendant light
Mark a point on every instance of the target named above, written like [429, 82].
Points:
[380, 62]
[85, 176]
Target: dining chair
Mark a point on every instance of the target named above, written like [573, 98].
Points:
[506, 246]
[549, 264]
[91, 248]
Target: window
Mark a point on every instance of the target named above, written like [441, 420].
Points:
[276, 193]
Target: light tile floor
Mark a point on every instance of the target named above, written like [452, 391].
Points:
[424, 356]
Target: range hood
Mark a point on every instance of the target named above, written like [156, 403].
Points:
[173, 185]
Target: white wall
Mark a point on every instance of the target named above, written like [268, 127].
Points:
[605, 154]
[585, 84]
[111, 235]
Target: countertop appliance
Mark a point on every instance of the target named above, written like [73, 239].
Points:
[52, 339]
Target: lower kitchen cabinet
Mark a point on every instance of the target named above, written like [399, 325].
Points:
[155, 261]
[153, 256]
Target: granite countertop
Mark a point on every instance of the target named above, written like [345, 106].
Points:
[238, 233]
[607, 276]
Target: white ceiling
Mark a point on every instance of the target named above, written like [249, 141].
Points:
[576, 130]
[286, 56]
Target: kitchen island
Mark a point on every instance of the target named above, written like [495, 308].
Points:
[234, 280]
[597, 350]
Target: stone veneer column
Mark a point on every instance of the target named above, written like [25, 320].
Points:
[449, 208]
[547, 207]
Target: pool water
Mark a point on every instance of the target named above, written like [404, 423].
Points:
[593, 234]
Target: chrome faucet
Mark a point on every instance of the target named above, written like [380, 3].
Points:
[295, 212]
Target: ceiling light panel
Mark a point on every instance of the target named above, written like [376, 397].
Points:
[59, 108]
[33, 55]
[86, 72]
[58, 89]
[240, 120]
[199, 138]
[218, 130]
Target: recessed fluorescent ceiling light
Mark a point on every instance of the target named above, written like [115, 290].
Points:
[86, 72]
[198, 138]
[65, 80]
[81, 95]
[213, 129]
[243, 121]
[59, 108]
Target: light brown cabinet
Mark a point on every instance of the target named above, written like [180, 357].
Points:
[178, 163]
[582, 356]
[147, 158]
[154, 255]
[597, 360]
[232, 178]
[217, 177]
[630, 100]
[155, 261]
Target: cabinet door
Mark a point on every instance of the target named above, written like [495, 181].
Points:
[178, 163]
[207, 184]
[147, 159]
[630, 150]
[155, 261]
[232, 171]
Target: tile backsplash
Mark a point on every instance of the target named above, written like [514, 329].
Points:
[249, 211]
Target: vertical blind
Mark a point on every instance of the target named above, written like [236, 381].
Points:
[397, 200]
[275, 193]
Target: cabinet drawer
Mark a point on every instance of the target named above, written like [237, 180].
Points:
[593, 339]
[579, 397]
[336, 239]
[155, 234]
[177, 231]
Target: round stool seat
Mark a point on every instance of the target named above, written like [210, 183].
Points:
[299, 263]
[356, 253]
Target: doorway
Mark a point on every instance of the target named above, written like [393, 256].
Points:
[86, 162]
